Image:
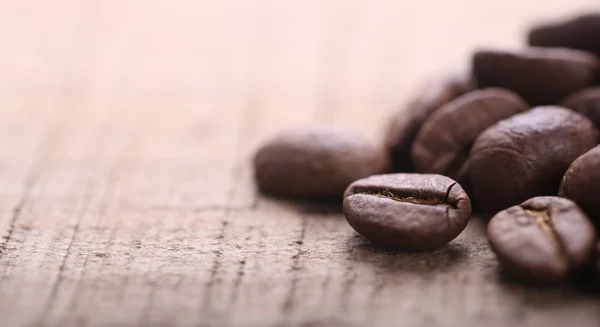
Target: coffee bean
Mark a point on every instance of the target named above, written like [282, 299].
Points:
[407, 211]
[582, 32]
[316, 162]
[526, 156]
[406, 122]
[540, 75]
[544, 239]
[444, 141]
[585, 102]
[581, 183]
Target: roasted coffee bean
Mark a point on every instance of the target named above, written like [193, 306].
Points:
[526, 156]
[406, 122]
[407, 211]
[540, 75]
[581, 33]
[585, 102]
[444, 141]
[581, 183]
[544, 239]
[316, 162]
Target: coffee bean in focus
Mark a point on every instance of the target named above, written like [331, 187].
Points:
[444, 141]
[544, 239]
[316, 162]
[541, 76]
[526, 156]
[407, 211]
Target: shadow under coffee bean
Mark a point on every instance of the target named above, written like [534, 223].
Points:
[544, 239]
[407, 211]
[399, 261]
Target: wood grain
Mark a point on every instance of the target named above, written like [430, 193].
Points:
[126, 192]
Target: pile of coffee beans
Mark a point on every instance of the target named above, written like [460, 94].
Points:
[515, 136]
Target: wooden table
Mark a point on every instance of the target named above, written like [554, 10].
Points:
[126, 189]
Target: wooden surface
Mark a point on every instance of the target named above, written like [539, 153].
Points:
[126, 193]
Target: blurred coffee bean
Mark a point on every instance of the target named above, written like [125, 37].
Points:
[544, 239]
[585, 102]
[582, 32]
[581, 183]
[405, 123]
[540, 75]
[316, 162]
[526, 156]
[444, 141]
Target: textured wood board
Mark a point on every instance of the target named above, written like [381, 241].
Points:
[126, 194]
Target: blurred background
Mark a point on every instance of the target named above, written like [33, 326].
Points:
[292, 56]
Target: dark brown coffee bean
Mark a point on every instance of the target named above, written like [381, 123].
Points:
[581, 183]
[407, 211]
[543, 239]
[526, 156]
[581, 33]
[406, 122]
[444, 141]
[316, 162]
[585, 102]
[540, 75]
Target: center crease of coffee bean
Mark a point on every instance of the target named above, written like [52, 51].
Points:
[542, 219]
[389, 195]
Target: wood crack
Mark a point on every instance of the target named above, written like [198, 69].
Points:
[16, 212]
[347, 287]
[60, 278]
[52, 139]
[11, 228]
[288, 303]
[247, 123]
[216, 264]
[241, 272]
